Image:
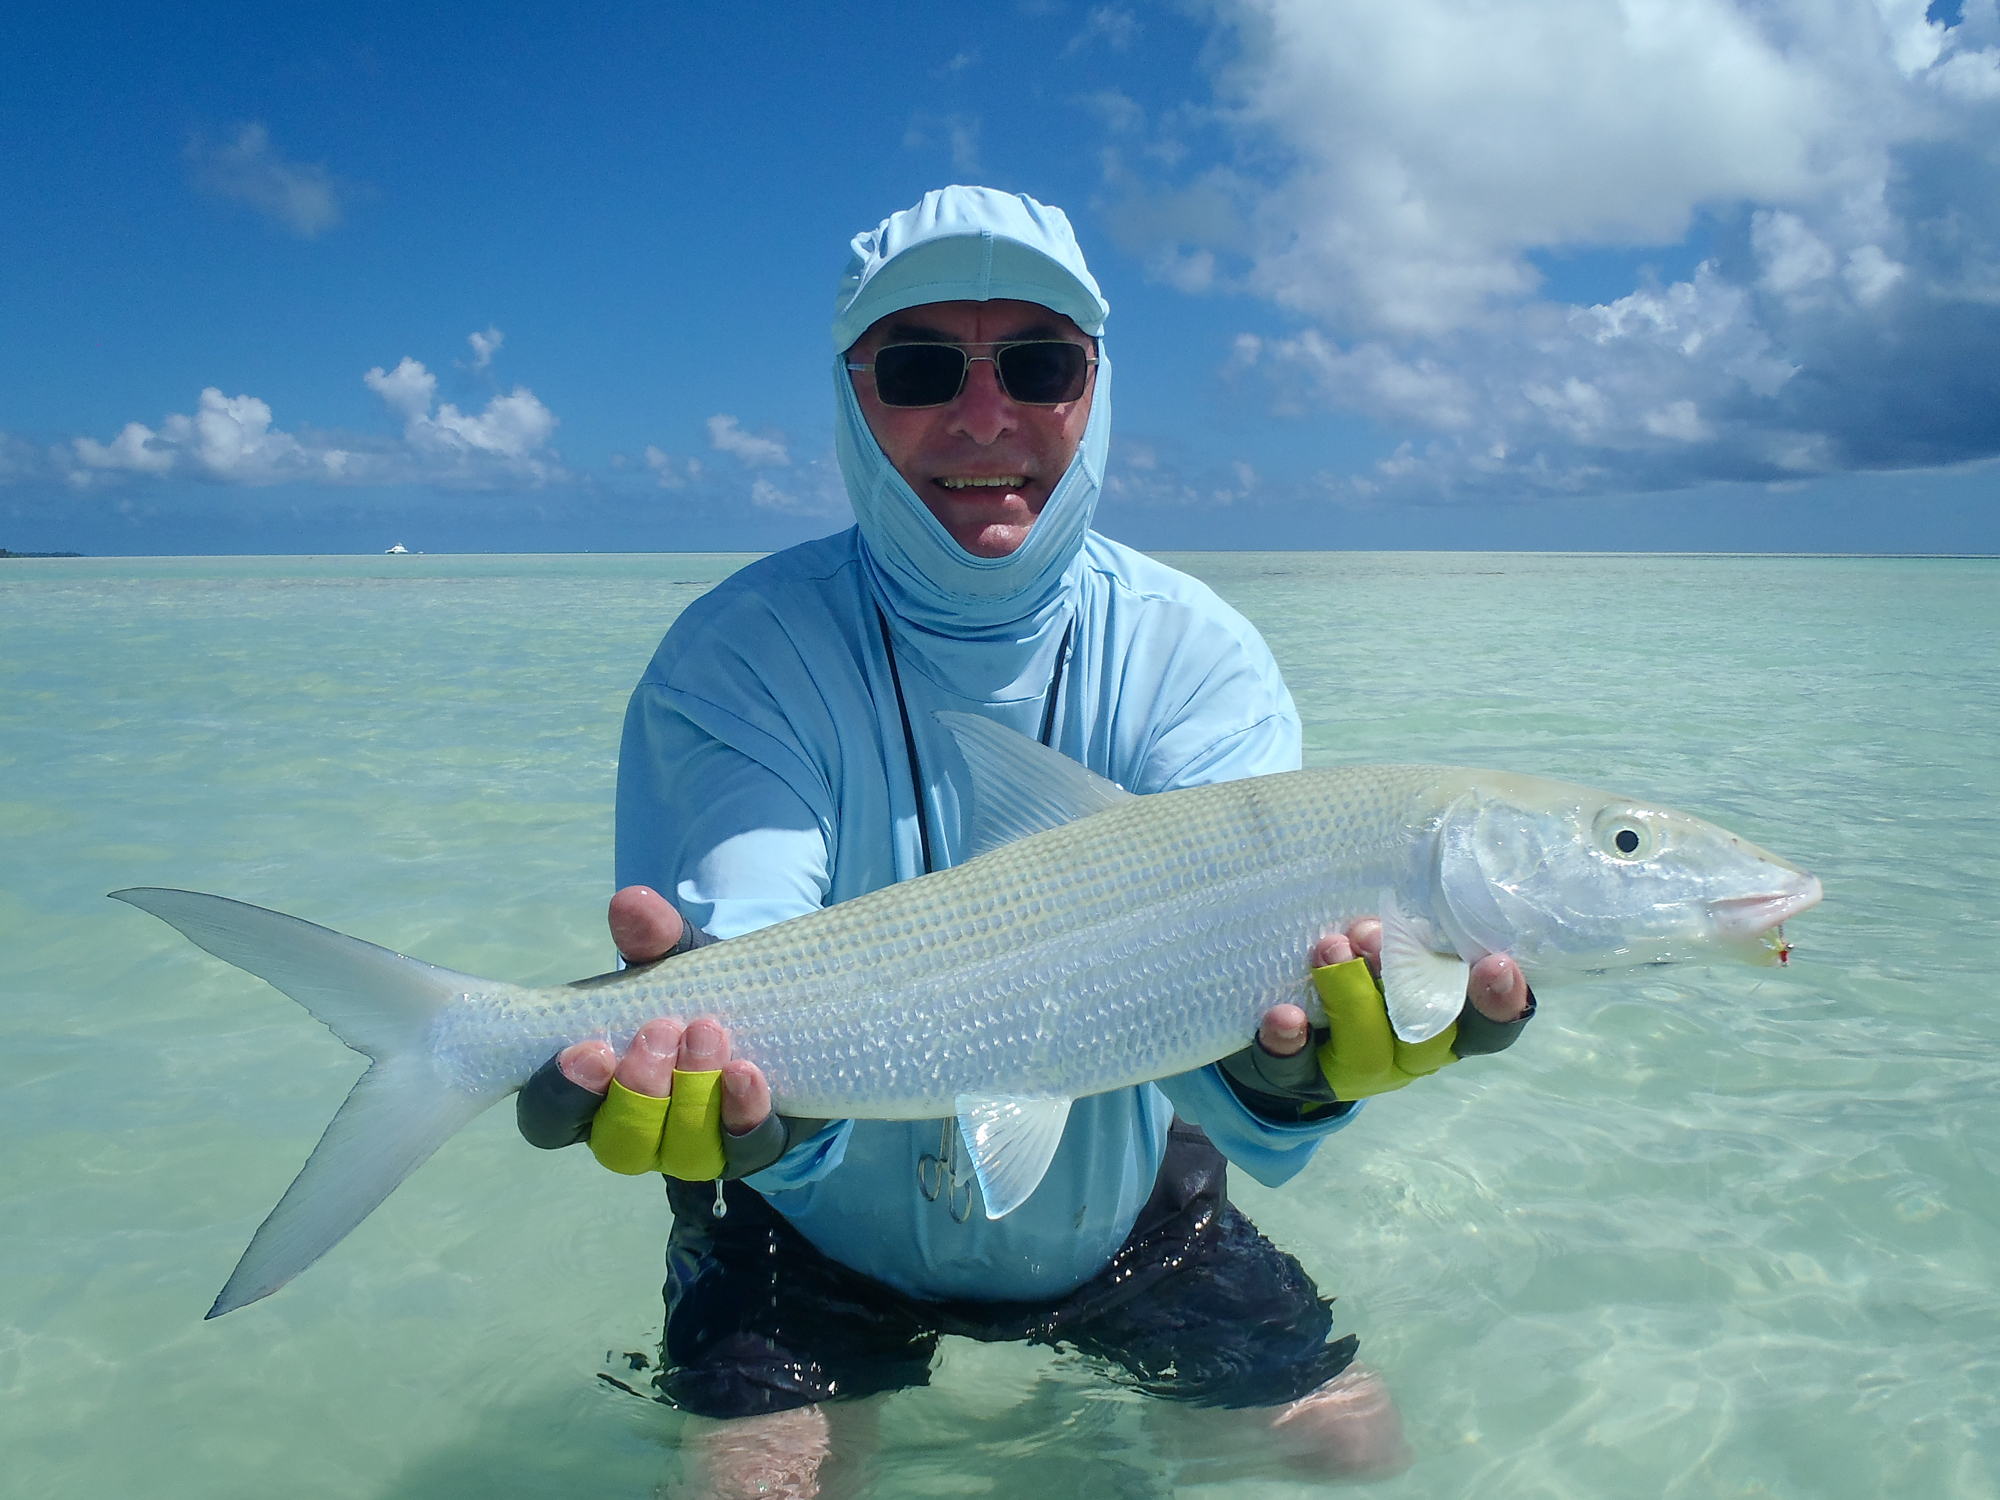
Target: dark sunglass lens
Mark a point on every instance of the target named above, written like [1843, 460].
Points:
[918, 374]
[1043, 374]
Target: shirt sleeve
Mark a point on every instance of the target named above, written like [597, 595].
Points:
[732, 846]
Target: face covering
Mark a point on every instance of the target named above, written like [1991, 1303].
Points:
[966, 244]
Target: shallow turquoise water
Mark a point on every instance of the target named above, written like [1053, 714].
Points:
[1723, 1233]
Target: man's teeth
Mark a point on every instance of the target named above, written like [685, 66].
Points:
[1002, 482]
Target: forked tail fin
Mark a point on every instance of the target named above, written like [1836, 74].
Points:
[379, 1003]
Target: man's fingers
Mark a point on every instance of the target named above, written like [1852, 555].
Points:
[644, 924]
[1285, 1031]
[746, 1097]
[1331, 948]
[1365, 933]
[1498, 989]
[704, 1047]
[648, 1064]
[588, 1065]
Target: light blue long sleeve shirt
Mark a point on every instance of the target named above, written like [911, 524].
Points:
[764, 774]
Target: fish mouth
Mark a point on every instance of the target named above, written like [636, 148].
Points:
[1753, 916]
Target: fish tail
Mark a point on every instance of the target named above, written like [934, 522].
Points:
[381, 1004]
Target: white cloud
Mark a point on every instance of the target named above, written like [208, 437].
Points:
[234, 440]
[229, 439]
[816, 492]
[725, 436]
[958, 133]
[511, 428]
[1436, 142]
[1110, 24]
[1794, 258]
[1389, 176]
[1870, 274]
[136, 448]
[300, 196]
[669, 472]
[407, 390]
[485, 346]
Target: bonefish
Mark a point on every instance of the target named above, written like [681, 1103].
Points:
[1094, 940]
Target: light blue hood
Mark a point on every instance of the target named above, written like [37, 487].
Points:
[966, 244]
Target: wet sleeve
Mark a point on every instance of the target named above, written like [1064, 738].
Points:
[1272, 1151]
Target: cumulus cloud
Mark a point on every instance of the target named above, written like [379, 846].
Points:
[1111, 24]
[248, 169]
[725, 436]
[510, 429]
[234, 440]
[1389, 175]
[671, 473]
[958, 133]
[816, 490]
[485, 346]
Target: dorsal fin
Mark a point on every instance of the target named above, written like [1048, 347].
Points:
[1020, 786]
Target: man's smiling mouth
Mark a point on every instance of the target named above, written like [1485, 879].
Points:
[997, 482]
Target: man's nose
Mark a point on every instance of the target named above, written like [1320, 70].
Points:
[983, 411]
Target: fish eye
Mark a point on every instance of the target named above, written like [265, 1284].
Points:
[1625, 834]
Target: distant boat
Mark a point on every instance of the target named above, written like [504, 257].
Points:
[399, 550]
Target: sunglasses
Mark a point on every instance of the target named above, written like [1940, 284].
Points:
[1039, 372]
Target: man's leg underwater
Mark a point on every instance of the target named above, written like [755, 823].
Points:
[1231, 1332]
[807, 1453]
[773, 1351]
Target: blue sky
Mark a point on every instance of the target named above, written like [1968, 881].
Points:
[1562, 273]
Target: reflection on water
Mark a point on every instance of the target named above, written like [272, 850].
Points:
[1724, 1232]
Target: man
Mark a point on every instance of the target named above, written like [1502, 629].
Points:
[781, 753]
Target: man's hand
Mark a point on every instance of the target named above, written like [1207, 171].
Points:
[1497, 990]
[645, 926]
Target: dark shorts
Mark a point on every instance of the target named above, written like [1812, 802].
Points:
[1196, 1306]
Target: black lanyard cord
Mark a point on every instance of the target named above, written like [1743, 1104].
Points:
[910, 739]
[1047, 735]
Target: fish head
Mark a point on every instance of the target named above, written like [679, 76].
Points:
[1564, 877]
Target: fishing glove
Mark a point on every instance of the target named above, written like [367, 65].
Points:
[1358, 1055]
[632, 1133]
[1363, 1056]
[553, 1112]
[680, 1136]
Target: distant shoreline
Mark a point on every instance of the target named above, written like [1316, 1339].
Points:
[5, 553]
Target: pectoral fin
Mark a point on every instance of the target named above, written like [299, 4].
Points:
[1012, 1139]
[1424, 989]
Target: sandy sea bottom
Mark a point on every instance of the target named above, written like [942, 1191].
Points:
[1721, 1232]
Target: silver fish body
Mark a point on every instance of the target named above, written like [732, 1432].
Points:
[1101, 940]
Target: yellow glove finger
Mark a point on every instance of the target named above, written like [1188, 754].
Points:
[625, 1133]
[1364, 1056]
[692, 1146]
[1418, 1059]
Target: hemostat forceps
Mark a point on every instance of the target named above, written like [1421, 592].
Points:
[938, 1176]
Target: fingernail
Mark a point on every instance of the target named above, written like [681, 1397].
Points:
[657, 1042]
[704, 1047]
